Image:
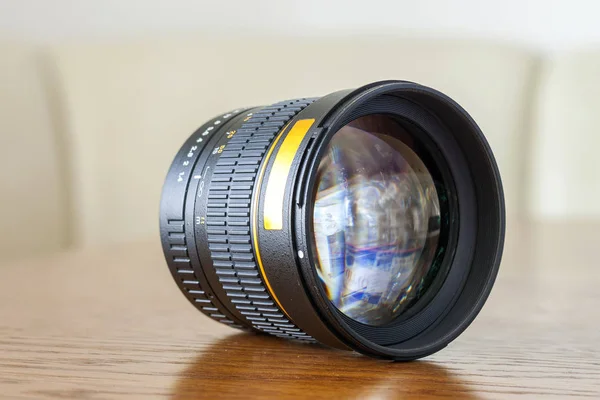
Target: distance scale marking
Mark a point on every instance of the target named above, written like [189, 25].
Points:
[218, 149]
[203, 136]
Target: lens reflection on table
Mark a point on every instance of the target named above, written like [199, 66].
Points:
[248, 366]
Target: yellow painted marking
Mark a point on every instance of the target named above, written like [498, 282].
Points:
[254, 218]
[275, 193]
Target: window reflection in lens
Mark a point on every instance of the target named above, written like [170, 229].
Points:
[376, 221]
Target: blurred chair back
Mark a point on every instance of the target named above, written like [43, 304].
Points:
[33, 199]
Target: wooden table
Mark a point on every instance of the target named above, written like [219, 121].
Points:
[110, 323]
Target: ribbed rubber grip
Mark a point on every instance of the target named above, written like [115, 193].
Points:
[228, 219]
[188, 278]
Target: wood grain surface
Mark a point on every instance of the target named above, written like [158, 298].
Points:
[110, 323]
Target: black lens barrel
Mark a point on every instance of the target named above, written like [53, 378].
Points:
[237, 231]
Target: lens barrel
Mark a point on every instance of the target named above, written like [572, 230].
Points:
[238, 229]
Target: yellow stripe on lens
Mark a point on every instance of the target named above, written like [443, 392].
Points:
[275, 194]
[302, 129]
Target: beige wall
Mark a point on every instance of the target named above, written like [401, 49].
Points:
[89, 130]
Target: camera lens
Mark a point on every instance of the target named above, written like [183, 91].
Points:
[369, 219]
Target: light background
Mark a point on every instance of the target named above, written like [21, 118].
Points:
[97, 96]
[550, 25]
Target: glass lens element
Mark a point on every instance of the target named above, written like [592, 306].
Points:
[376, 221]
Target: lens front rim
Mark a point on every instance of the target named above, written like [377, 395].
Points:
[402, 341]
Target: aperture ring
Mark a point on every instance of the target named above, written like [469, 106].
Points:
[229, 205]
[177, 246]
[189, 282]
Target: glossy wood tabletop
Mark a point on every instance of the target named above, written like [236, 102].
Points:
[110, 323]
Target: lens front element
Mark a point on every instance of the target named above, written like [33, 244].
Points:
[376, 221]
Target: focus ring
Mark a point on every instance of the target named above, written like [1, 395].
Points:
[229, 205]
